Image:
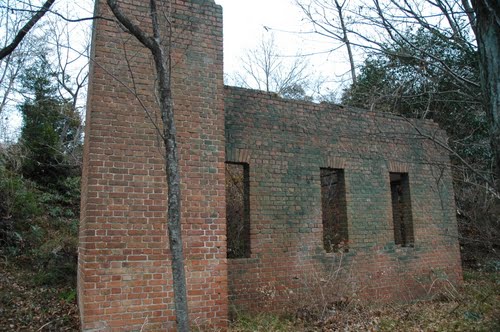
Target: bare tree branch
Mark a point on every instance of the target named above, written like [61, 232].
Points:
[322, 15]
[131, 27]
[5, 51]
[265, 69]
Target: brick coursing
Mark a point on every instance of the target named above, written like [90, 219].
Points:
[124, 270]
[124, 279]
[288, 142]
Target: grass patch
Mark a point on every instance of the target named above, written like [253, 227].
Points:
[473, 307]
[264, 322]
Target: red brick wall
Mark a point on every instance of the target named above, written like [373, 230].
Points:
[285, 143]
[124, 270]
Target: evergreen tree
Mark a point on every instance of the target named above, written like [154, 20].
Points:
[397, 81]
[50, 130]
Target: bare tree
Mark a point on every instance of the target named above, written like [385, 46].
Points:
[70, 61]
[19, 56]
[31, 14]
[159, 44]
[71, 70]
[23, 31]
[56, 36]
[375, 24]
[10, 69]
[263, 68]
[470, 26]
[324, 16]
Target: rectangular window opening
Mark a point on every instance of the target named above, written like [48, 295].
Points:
[401, 209]
[334, 210]
[237, 210]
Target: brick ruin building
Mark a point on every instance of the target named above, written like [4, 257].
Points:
[332, 200]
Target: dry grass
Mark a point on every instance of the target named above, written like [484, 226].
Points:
[473, 307]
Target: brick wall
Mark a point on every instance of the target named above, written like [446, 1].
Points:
[124, 269]
[285, 143]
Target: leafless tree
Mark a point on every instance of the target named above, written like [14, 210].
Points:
[159, 43]
[470, 25]
[329, 19]
[21, 33]
[57, 37]
[444, 20]
[377, 23]
[16, 56]
[70, 65]
[30, 12]
[263, 68]
[70, 61]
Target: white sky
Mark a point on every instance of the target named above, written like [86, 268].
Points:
[244, 23]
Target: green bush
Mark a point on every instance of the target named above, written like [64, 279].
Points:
[39, 226]
[51, 131]
[18, 204]
[18, 197]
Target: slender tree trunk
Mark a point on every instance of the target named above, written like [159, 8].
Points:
[487, 30]
[162, 58]
[346, 41]
[5, 51]
[163, 71]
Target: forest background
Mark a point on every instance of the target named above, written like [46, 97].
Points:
[417, 59]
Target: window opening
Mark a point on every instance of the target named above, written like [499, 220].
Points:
[237, 210]
[334, 209]
[401, 209]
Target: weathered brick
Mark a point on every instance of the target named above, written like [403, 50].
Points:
[124, 191]
[285, 203]
[124, 268]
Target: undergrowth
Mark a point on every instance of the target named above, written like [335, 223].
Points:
[475, 306]
[263, 322]
[39, 227]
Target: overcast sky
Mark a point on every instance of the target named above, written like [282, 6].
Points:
[244, 23]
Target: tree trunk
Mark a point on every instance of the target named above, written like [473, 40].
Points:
[346, 41]
[162, 64]
[487, 26]
[162, 57]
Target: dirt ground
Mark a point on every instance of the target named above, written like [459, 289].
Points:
[27, 307]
